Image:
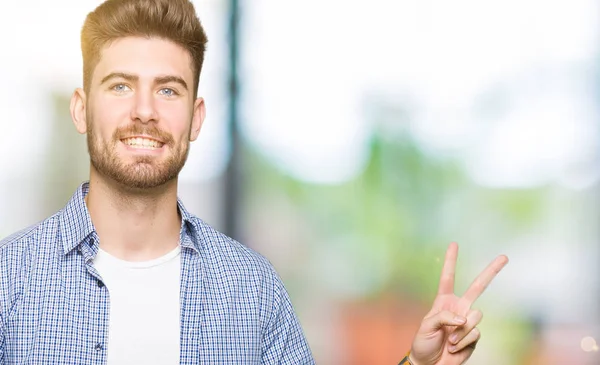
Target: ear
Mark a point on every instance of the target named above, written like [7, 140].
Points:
[78, 110]
[197, 118]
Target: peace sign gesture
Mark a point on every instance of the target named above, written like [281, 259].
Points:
[448, 333]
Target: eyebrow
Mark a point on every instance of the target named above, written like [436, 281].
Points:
[160, 80]
[119, 75]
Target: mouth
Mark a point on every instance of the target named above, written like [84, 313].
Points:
[143, 143]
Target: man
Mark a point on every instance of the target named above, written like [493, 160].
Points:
[124, 274]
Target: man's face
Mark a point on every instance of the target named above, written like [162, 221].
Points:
[141, 112]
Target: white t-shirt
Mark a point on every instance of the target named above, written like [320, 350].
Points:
[144, 319]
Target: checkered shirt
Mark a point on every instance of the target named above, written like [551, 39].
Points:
[54, 308]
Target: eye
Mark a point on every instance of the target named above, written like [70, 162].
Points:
[168, 92]
[120, 88]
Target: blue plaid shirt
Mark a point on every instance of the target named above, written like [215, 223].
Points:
[54, 308]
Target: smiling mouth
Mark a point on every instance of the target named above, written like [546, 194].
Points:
[146, 143]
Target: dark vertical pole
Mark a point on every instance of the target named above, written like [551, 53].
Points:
[233, 175]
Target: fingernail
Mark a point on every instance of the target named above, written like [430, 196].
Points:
[452, 348]
[453, 338]
[459, 320]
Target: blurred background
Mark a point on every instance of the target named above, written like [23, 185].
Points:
[350, 142]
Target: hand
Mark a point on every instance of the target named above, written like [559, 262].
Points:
[451, 316]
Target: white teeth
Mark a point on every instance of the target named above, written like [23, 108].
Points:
[142, 142]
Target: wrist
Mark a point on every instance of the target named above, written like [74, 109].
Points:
[407, 360]
[411, 360]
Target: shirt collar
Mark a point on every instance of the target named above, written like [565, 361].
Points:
[75, 221]
[76, 224]
[189, 235]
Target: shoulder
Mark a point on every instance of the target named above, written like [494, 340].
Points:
[18, 240]
[17, 259]
[227, 253]
[227, 263]
[39, 231]
[17, 250]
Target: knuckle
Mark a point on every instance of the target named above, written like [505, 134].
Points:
[447, 314]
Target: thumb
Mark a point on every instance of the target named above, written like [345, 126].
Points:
[440, 319]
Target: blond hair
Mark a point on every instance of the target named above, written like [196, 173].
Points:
[173, 20]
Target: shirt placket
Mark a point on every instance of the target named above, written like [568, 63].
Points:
[190, 304]
[98, 306]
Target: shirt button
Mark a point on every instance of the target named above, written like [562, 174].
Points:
[100, 284]
[98, 346]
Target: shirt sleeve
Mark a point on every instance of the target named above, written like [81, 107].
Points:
[283, 338]
[1, 341]
[3, 296]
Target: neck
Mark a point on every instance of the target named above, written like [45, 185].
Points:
[131, 224]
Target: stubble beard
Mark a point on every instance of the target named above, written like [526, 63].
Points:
[145, 172]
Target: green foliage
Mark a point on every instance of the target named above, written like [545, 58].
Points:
[387, 229]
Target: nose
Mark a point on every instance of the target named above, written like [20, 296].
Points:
[144, 108]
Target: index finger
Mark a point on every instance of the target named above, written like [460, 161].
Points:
[484, 279]
[446, 285]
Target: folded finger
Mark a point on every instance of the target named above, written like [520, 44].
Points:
[441, 319]
[473, 319]
[470, 340]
